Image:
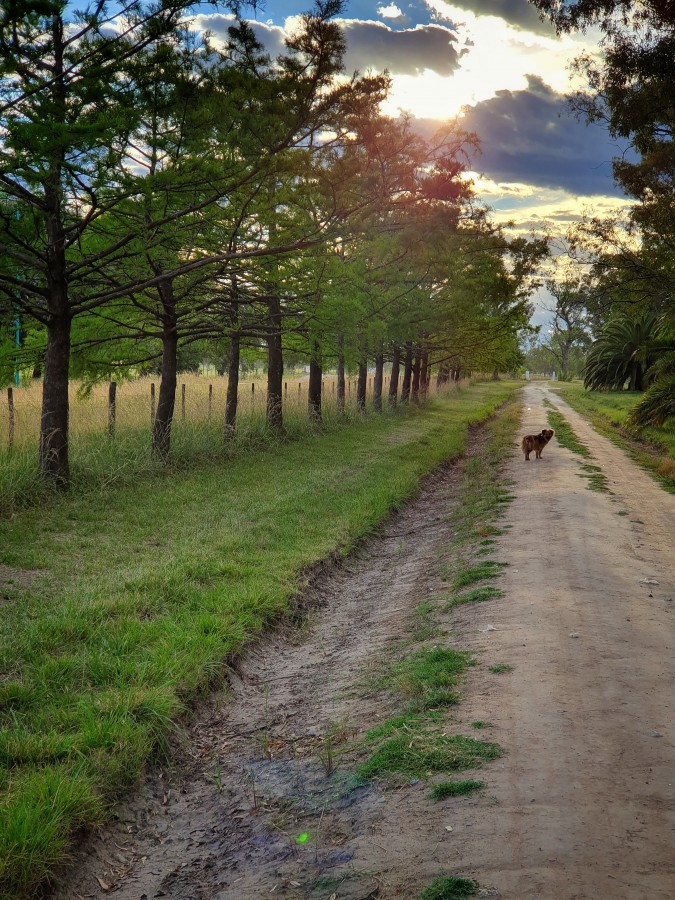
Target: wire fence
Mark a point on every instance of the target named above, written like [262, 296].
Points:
[200, 399]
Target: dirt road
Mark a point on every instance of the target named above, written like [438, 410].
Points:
[586, 800]
[581, 806]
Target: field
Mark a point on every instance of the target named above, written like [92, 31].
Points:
[653, 448]
[121, 604]
[98, 461]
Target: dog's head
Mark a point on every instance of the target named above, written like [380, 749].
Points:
[547, 434]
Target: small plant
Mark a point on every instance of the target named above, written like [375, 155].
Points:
[500, 668]
[479, 723]
[479, 572]
[454, 789]
[450, 888]
[477, 595]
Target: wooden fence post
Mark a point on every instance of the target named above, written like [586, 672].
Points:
[152, 403]
[182, 402]
[10, 409]
[112, 408]
[210, 401]
[253, 393]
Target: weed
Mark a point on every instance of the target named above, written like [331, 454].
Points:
[479, 723]
[597, 481]
[477, 595]
[479, 572]
[450, 888]
[564, 433]
[500, 668]
[418, 753]
[455, 789]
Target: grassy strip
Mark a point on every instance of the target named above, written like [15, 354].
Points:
[450, 888]
[445, 789]
[564, 433]
[607, 411]
[413, 742]
[122, 605]
[597, 481]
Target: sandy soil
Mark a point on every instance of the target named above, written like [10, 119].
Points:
[582, 804]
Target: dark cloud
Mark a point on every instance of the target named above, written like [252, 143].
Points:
[519, 13]
[371, 45]
[531, 137]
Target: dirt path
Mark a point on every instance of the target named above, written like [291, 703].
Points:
[586, 802]
[581, 806]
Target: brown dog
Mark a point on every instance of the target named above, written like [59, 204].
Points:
[536, 442]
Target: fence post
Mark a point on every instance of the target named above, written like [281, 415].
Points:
[299, 387]
[152, 403]
[210, 401]
[286, 390]
[182, 402]
[253, 393]
[10, 409]
[112, 408]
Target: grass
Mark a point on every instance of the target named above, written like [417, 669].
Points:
[420, 752]
[413, 743]
[597, 481]
[479, 572]
[429, 676]
[652, 448]
[450, 888]
[564, 433]
[130, 601]
[445, 789]
[500, 669]
[477, 595]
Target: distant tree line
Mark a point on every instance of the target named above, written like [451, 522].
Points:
[629, 293]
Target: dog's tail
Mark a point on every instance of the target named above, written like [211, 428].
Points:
[523, 444]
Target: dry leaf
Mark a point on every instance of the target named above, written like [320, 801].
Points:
[104, 884]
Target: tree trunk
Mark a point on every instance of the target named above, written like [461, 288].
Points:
[53, 456]
[361, 385]
[443, 375]
[416, 366]
[161, 429]
[407, 373]
[314, 388]
[275, 366]
[232, 385]
[393, 381]
[341, 376]
[377, 381]
[424, 374]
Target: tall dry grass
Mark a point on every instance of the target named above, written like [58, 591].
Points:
[98, 461]
[204, 404]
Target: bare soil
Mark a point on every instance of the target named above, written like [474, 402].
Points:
[582, 804]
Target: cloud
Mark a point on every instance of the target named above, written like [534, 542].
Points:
[373, 45]
[530, 136]
[370, 45]
[519, 13]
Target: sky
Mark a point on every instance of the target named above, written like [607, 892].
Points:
[501, 69]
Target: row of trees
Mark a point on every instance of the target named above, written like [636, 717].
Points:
[158, 192]
[627, 298]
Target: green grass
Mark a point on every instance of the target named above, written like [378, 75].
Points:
[477, 595]
[480, 572]
[455, 789]
[130, 600]
[450, 888]
[420, 752]
[652, 448]
[429, 676]
[500, 669]
[564, 433]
